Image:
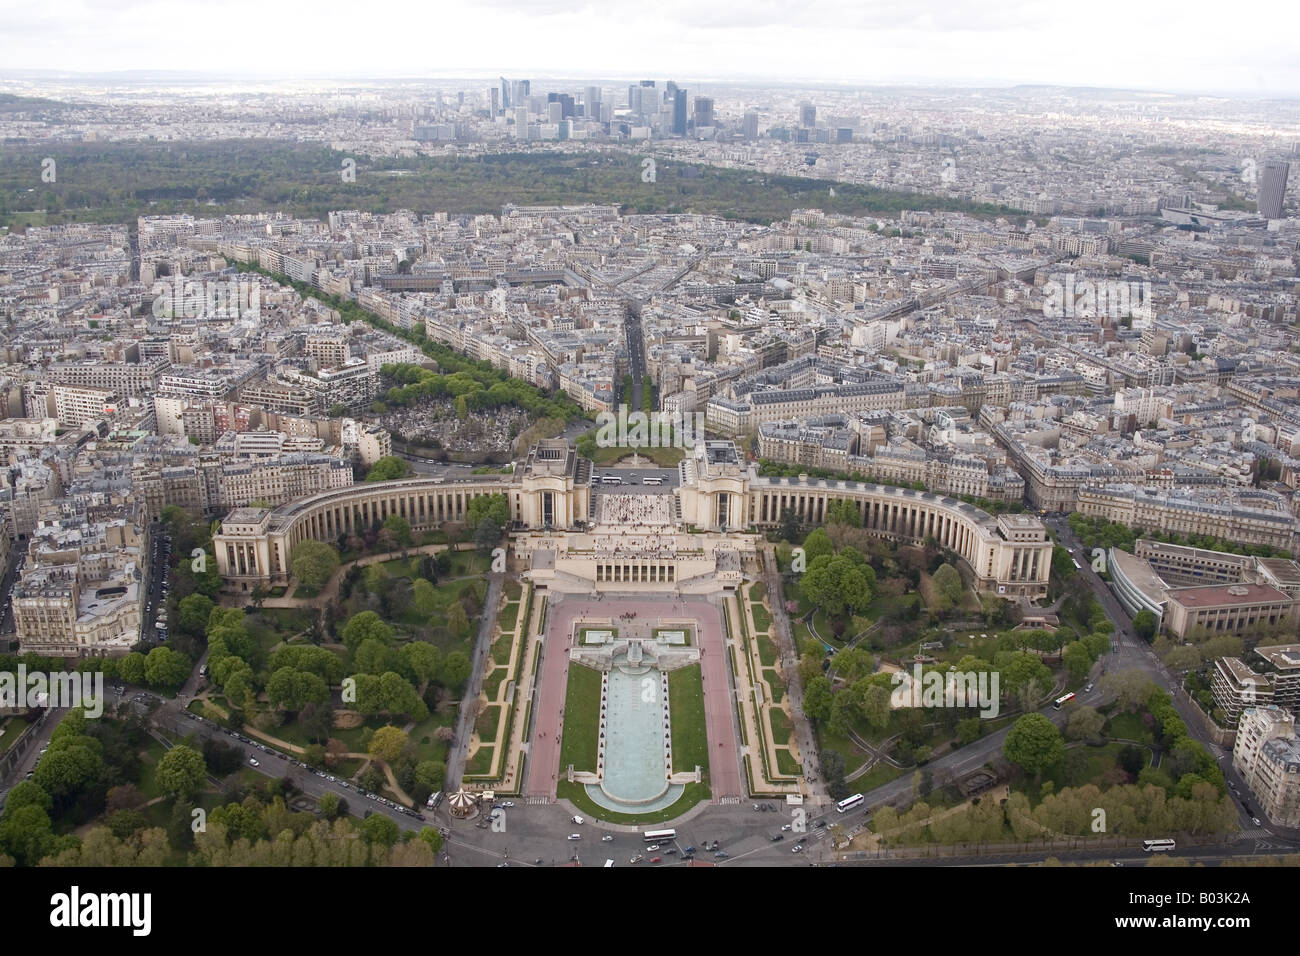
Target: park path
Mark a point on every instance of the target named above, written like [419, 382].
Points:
[788, 657]
[464, 722]
[330, 593]
[763, 713]
[503, 768]
[286, 747]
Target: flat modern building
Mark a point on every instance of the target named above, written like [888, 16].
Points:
[1229, 608]
[1136, 584]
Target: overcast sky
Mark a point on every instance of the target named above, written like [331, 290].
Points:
[1176, 45]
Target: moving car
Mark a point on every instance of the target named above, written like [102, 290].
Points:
[575, 836]
[252, 762]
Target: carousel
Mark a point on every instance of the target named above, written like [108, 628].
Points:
[462, 803]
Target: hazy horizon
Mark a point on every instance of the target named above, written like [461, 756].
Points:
[1108, 45]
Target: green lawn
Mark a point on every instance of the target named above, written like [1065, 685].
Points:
[481, 763]
[778, 686]
[757, 591]
[662, 457]
[13, 727]
[150, 755]
[822, 622]
[423, 738]
[581, 719]
[881, 604]
[762, 620]
[853, 757]
[1101, 761]
[506, 619]
[794, 593]
[1129, 727]
[877, 776]
[469, 564]
[787, 764]
[486, 724]
[500, 649]
[804, 640]
[766, 650]
[686, 712]
[284, 620]
[780, 726]
[576, 793]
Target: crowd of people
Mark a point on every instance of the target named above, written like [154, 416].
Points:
[635, 546]
[637, 510]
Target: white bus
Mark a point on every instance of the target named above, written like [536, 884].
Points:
[612, 480]
[848, 803]
[1062, 701]
[654, 480]
[659, 836]
[1157, 846]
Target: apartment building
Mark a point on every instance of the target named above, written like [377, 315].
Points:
[373, 443]
[1236, 686]
[129, 379]
[1281, 664]
[77, 405]
[281, 479]
[80, 593]
[1167, 512]
[283, 398]
[1267, 755]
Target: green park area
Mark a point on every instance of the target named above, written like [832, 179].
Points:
[686, 714]
[108, 793]
[581, 740]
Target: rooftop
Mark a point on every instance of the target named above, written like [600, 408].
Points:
[1227, 595]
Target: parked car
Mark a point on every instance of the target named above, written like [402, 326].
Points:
[778, 838]
[656, 859]
[575, 836]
